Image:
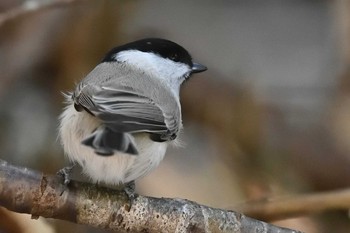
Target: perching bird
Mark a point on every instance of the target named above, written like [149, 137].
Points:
[122, 116]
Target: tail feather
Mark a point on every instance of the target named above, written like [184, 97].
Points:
[106, 142]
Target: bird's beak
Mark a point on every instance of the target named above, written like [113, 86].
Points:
[197, 68]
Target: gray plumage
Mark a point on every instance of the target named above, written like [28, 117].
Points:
[128, 105]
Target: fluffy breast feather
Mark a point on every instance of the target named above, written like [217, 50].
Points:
[115, 169]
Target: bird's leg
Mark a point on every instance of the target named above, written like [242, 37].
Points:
[129, 189]
[65, 173]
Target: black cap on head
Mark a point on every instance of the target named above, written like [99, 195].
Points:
[164, 48]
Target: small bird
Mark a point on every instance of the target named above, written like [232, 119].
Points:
[122, 116]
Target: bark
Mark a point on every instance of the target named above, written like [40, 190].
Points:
[28, 191]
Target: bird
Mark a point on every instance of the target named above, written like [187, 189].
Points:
[122, 116]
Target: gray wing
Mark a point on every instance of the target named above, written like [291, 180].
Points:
[124, 110]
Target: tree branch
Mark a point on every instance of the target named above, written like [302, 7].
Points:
[33, 6]
[277, 209]
[27, 191]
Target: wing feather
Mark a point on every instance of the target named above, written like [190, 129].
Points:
[124, 110]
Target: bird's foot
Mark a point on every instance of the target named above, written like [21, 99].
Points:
[65, 173]
[130, 189]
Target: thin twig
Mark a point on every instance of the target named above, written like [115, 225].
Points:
[32, 6]
[276, 209]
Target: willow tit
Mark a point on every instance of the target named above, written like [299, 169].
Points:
[124, 113]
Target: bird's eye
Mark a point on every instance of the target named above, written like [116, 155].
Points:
[174, 57]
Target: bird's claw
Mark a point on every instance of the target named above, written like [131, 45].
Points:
[65, 173]
[130, 189]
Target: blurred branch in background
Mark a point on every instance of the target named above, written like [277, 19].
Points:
[31, 7]
[55, 34]
[307, 204]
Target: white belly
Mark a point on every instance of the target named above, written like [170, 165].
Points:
[115, 169]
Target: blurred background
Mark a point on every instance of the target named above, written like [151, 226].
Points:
[270, 117]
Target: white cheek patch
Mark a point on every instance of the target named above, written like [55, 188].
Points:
[156, 66]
